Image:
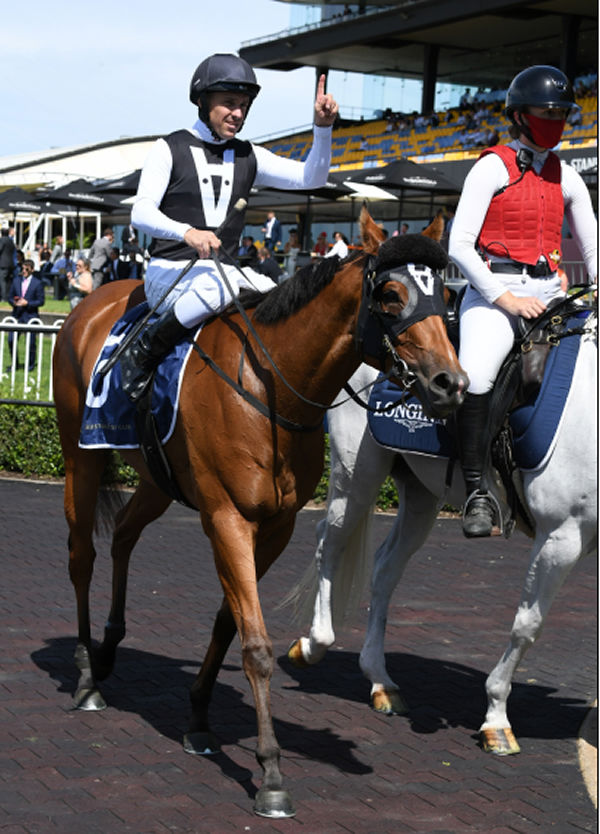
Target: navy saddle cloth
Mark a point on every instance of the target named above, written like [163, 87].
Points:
[406, 428]
[109, 416]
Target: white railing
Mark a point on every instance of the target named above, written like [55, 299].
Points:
[18, 384]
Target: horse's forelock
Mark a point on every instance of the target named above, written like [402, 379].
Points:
[415, 249]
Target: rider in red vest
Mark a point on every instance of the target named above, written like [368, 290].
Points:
[506, 240]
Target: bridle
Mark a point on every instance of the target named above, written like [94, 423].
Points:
[376, 332]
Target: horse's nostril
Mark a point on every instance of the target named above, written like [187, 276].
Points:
[443, 382]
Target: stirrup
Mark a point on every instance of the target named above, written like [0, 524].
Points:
[482, 509]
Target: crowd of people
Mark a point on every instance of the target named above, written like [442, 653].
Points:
[56, 267]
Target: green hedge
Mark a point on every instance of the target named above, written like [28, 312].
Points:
[29, 445]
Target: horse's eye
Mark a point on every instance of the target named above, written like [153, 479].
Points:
[390, 297]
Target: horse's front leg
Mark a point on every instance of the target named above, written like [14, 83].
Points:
[146, 505]
[552, 558]
[358, 468]
[239, 568]
[417, 511]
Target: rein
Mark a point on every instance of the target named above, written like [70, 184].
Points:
[400, 368]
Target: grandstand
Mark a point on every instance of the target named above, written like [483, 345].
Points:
[373, 143]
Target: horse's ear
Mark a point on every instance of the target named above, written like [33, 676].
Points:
[435, 230]
[371, 234]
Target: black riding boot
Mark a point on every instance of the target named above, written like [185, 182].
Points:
[141, 358]
[474, 445]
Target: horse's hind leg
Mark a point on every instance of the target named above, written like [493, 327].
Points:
[552, 558]
[146, 504]
[83, 471]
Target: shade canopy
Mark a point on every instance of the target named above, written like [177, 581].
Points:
[18, 199]
[81, 194]
[126, 186]
[401, 174]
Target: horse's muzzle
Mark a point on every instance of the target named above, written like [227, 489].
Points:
[443, 393]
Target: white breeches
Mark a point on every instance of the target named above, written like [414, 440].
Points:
[487, 332]
[201, 292]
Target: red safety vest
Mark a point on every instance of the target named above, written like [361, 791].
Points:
[524, 222]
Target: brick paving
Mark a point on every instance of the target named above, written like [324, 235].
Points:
[350, 770]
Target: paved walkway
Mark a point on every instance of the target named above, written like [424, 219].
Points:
[350, 770]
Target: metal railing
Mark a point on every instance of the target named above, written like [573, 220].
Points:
[36, 387]
[30, 381]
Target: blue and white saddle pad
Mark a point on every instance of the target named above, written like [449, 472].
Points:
[109, 416]
[406, 428]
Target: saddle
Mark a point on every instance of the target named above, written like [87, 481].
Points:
[517, 384]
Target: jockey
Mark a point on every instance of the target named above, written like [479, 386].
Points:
[189, 184]
[506, 241]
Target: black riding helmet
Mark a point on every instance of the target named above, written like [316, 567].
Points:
[222, 72]
[539, 86]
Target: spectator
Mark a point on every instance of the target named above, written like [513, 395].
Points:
[466, 100]
[116, 269]
[135, 265]
[492, 138]
[340, 247]
[81, 283]
[267, 265]
[248, 252]
[57, 249]
[128, 238]
[291, 250]
[45, 270]
[272, 232]
[99, 256]
[60, 268]
[321, 245]
[26, 297]
[404, 229]
[7, 264]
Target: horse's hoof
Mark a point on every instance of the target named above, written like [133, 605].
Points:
[389, 702]
[201, 744]
[295, 655]
[89, 699]
[274, 804]
[500, 742]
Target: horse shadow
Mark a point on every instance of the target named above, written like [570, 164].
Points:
[155, 688]
[442, 694]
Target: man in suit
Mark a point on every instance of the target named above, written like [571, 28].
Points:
[272, 231]
[7, 264]
[27, 296]
[267, 265]
[116, 269]
[99, 256]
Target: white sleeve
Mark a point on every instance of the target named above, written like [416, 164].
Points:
[279, 172]
[483, 180]
[154, 179]
[580, 216]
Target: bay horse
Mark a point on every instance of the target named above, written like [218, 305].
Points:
[561, 497]
[248, 472]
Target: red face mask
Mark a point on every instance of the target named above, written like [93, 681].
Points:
[545, 132]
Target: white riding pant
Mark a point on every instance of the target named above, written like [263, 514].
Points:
[487, 331]
[201, 292]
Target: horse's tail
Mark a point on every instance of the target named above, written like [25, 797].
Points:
[347, 582]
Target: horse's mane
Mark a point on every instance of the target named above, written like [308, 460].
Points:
[295, 293]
